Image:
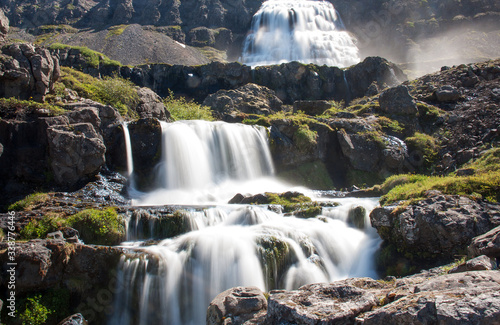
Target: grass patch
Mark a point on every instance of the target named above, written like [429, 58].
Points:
[39, 228]
[424, 148]
[213, 54]
[116, 30]
[100, 227]
[29, 202]
[93, 58]
[182, 109]
[115, 91]
[389, 125]
[488, 162]
[413, 187]
[12, 105]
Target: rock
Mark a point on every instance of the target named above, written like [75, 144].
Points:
[201, 36]
[356, 217]
[76, 319]
[239, 305]
[151, 105]
[447, 94]
[438, 227]
[323, 303]
[479, 263]
[76, 153]
[4, 24]
[311, 107]
[465, 172]
[362, 151]
[486, 244]
[57, 235]
[472, 298]
[397, 100]
[29, 72]
[249, 99]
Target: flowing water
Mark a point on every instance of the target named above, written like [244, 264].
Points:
[173, 280]
[296, 30]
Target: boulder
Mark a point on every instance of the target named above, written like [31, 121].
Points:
[447, 94]
[151, 105]
[236, 306]
[487, 244]
[323, 303]
[201, 36]
[361, 150]
[437, 228]
[479, 263]
[397, 100]
[76, 153]
[249, 99]
[76, 319]
[28, 72]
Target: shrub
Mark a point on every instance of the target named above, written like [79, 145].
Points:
[182, 109]
[35, 313]
[101, 227]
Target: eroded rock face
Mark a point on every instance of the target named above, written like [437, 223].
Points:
[439, 226]
[4, 25]
[76, 152]
[29, 72]
[397, 100]
[150, 105]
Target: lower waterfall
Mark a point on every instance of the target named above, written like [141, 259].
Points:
[173, 280]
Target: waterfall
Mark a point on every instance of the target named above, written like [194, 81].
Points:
[209, 162]
[298, 30]
[130, 158]
[171, 280]
[174, 281]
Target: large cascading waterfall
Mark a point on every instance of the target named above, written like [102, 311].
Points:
[308, 31]
[173, 280]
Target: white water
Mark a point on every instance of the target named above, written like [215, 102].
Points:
[130, 159]
[209, 162]
[298, 30]
[174, 280]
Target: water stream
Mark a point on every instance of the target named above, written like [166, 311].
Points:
[308, 31]
[172, 280]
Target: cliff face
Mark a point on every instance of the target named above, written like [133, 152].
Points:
[414, 31]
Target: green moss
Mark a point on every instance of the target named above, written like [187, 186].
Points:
[182, 109]
[93, 58]
[101, 227]
[362, 178]
[390, 126]
[30, 106]
[39, 228]
[275, 254]
[116, 30]
[305, 139]
[428, 114]
[29, 202]
[425, 148]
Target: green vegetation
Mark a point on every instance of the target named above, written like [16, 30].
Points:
[57, 28]
[388, 125]
[305, 139]
[182, 109]
[116, 30]
[101, 227]
[39, 228]
[484, 184]
[93, 58]
[12, 105]
[35, 313]
[115, 91]
[213, 54]
[29, 202]
[423, 147]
